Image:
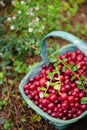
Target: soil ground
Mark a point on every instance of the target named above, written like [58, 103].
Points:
[15, 108]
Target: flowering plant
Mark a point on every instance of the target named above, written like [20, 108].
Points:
[32, 20]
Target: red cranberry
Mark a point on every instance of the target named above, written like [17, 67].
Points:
[31, 80]
[49, 111]
[53, 97]
[43, 82]
[67, 87]
[61, 77]
[81, 94]
[79, 112]
[64, 105]
[32, 87]
[83, 107]
[74, 115]
[26, 87]
[54, 114]
[45, 102]
[63, 90]
[51, 106]
[71, 99]
[26, 92]
[64, 96]
[76, 105]
[60, 115]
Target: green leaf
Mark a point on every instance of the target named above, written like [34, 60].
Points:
[81, 77]
[11, 82]
[50, 75]
[1, 75]
[23, 119]
[64, 60]
[53, 84]
[85, 82]
[7, 124]
[16, 3]
[64, 68]
[53, 59]
[57, 87]
[43, 88]
[56, 63]
[4, 89]
[36, 118]
[71, 65]
[80, 87]
[73, 77]
[78, 82]
[78, 66]
[45, 95]
[74, 69]
[3, 103]
[84, 100]
[86, 91]
[20, 129]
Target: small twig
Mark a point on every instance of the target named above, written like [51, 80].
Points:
[72, 72]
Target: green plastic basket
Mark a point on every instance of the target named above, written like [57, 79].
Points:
[76, 44]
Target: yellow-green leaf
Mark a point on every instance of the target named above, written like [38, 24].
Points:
[36, 118]
[45, 95]
[57, 87]
[1, 75]
[84, 100]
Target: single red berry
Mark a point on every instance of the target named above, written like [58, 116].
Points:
[26, 87]
[61, 77]
[42, 81]
[51, 106]
[71, 99]
[32, 87]
[64, 96]
[53, 97]
[45, 102]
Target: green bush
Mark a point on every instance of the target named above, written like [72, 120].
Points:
[29, 21]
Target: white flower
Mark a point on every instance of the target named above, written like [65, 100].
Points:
[31, 13]
[29, 24]
[43, 27]
[41, 94]
[37, 19]
[9, 19]
[47, 83]
[12, 27]
[31, 9]
[19, 11]
[13, 2]
[22, 2]
[30, 30]
[40, 31]
[36, 8]
[2, 3]
[14, 17]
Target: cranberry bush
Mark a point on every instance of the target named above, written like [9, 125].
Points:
[26, 23]
[61, 88]
[30, 21]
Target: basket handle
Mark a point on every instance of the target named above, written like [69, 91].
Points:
[81, 45]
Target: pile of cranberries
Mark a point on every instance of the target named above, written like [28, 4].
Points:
[66, 104]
